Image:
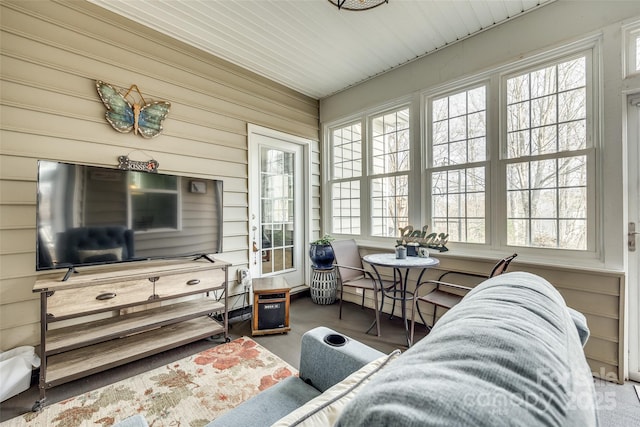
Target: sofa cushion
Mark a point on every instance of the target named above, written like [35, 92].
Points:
[507, 355]
[325, 409]
[269, 405]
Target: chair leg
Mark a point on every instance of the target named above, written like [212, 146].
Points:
[435, 311]
[341, 298]
[362, 304]
[377, 312]
[416, 307]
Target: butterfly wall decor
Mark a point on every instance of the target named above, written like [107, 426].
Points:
[125, 116]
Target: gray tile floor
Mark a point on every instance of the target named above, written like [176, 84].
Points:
[619, 404]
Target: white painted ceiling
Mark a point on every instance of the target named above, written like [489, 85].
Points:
[310, 45]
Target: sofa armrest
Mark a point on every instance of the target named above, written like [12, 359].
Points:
[323, 365]
[581, 325]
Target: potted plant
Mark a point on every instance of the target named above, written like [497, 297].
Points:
[321, 252]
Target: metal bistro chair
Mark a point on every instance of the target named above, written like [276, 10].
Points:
[351, 273]
[446, 294]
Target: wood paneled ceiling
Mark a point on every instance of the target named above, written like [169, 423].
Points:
[310, 45]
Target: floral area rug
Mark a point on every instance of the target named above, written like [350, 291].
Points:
[189, 392]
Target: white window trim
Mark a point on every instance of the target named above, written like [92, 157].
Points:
[495, 199]
[426, 100]
[365, 118]
[631, 33]
[592, 150]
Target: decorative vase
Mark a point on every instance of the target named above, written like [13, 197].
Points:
[321, 255]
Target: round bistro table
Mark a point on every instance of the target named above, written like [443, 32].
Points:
[401, 267]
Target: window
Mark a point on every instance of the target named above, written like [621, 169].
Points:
[346, 146]
[458, 167]
[546, 138]
[508, 160]
[632, 44]
[381, 179]
[390, 162]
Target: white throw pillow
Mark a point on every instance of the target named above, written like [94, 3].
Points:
[324, 410]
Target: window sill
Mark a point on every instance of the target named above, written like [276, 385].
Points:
[587, 263]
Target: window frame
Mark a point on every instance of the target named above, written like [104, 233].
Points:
[631, 41]
[495, 175]
[429, 168]
[365, 119]
[591, 151]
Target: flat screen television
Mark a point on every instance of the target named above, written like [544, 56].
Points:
[90, 215]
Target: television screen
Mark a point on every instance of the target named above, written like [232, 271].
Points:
[88, 215]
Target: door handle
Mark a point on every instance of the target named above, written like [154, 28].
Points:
[631, 237]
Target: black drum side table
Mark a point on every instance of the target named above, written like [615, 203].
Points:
[323, 285]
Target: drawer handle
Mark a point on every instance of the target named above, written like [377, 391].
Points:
[106, 295]
[193, 282]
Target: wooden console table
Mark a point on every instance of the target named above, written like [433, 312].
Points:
[135, 310]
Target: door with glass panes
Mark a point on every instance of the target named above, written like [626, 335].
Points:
[277, 208]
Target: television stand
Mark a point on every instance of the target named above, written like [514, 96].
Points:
[130, 325]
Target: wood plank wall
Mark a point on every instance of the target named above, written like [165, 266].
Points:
[51, 54]
[598, 295]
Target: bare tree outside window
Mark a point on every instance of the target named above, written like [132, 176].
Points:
[390, 163]
[547, 178]
[458, 156]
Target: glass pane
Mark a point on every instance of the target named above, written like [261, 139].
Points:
[390, 145]
[440, 109]
[572, 74]
[543, 140]
[518, 116]
[518, 144]
[518, 89]
[572, 105]
[543, 82]
[572, 203]
[554, 112]
[458, 128]
[573, 234]
[518, 232]
[439, 204]
[518, 176]
[572, 135]
[441, 155]
[544, 233]
[543, 111]
[543, 174]
[458, 200]
[518, 204]
[347, 151]
[389, 205]
[475, 231]
[477, 99]
[440, 132]
[278, 209]
[543, 204]
[458, 104]
[572, 172]
[475, 205]
[345, 202]
[458, 135]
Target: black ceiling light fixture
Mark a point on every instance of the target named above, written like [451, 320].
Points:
[357, 4]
